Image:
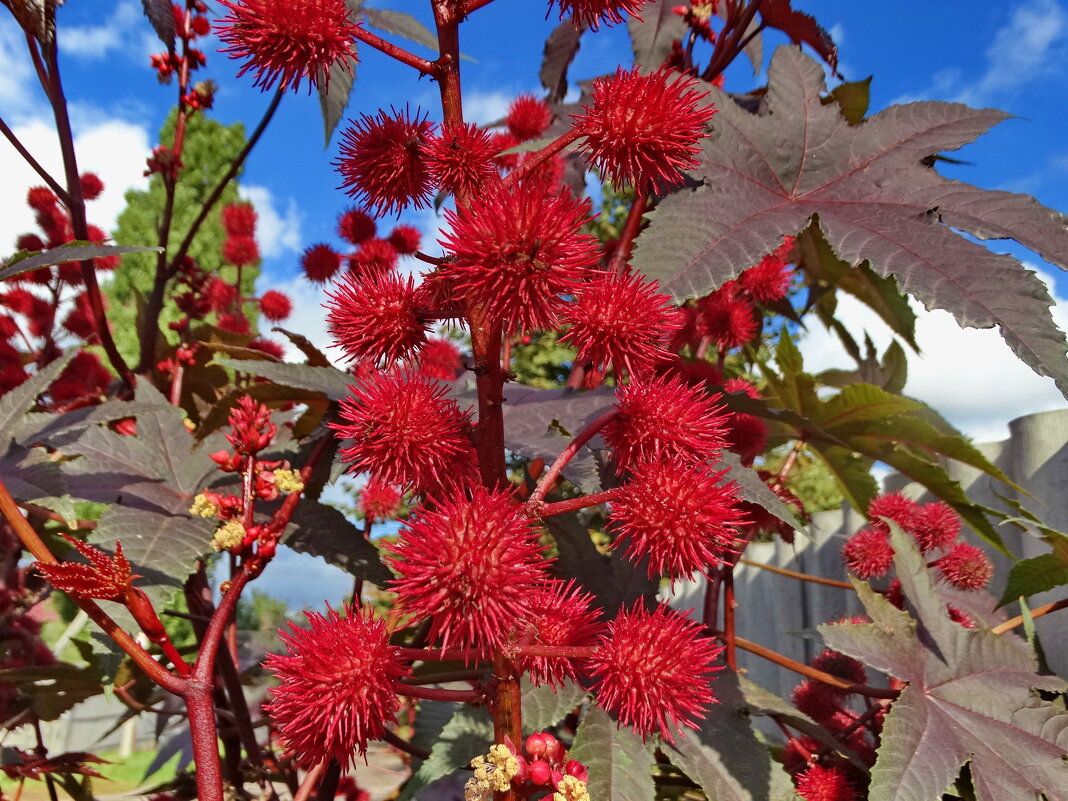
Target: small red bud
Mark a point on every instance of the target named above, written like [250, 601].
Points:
[535, 745]
[524, 770]
[536, 468]
[553, 749]
[540, 772]
[556, 776]
[577, 769]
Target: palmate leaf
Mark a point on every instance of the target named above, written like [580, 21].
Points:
[800, 27]
[876, 199]
[468, 734]
[560, 49]
[545, 706]
[970, 699]
[652, 35]
[619, 763]
[24, 261]
[330, 381]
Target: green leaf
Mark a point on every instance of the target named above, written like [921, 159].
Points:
[619, 763]
[330, 381]
[862, 403]
[724, 756]
[24, 261]
[545, 706]
[852, 99]
[853, 473]
[787, 356]
[754, 490]
[323, 531]
[468, 734]
[1031, 576]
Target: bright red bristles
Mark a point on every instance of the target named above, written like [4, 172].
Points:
[356, 226]
[376, 318]
[895, 506]
[727, 319]
[335, 686]
[663, 419]
[528, 118]
[285, 41]
[440, 359]
[966, 567]
[91, 185]
[683, 519]
[381, 161]
[275, 305]
[374, 257]
[868, 553]
[643, 130]
[620, 320]
[591, 13]
[767, 281]
[320, 263]
[653, 670]
[239, 219]
[470, 566]
[935, 526]
[240, 251]
[379, 501]
[405, 432]
[560, 614]
[460, 160]
[405, 239]
[817, 783]
[516, 250]
[85, 378]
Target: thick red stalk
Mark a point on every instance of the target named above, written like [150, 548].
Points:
[631, 227]
[729, 605]
[53, 184]
[544, 510]
[399, 53]
[539, 157]
[435, 694]
[799, 576]
[550, 475]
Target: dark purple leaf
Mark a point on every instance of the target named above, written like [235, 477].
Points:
[330, 381]
[876, 198]
[560, 49]
[970, 699]
[334, 94]
[24, 261]
[400, 24]
[800, 27]
[619, 763]
[161, 16]
[323, 531]
[652, 35]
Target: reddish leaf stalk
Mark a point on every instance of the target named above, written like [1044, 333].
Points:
[550, 475]
[436, 694]
[399, 53]
[53, 184]
[544, 510]
[506, 705]
[307, 784]
[799, 576]
[1013, 622]
[539, 157]
[813, 673]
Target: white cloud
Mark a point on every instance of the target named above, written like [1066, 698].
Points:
[277, 234]
[969, 375]
[484, 107]
[121, 30]
[16, 74]
[308, 317]
[114, 150]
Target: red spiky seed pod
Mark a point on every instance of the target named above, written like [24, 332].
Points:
[233, 322]
[268, 346]
[516, 250]
[106, 577]
[405, 239]
[868, 554]
[662, 419]
[528, 118]
[768, 281]
[241, 251]
[29, 242]
[591, 13]
[560, 614]
[356, 226]
[91, 185]
[381, 161]
[895, 506]
[460, 159]
[440, 359]
[239, 219]
[840, 665]
[335, 686]
[966, 567]
[935, 526]
[376, 318]
[682, 518]
[41, 199]
[817, 700]
[286, 41]
[746, 435]
[379, 501]
[620, 320]
[320, 263]
[374, 257]
[275, 305]
[653, 670]
[470, 565]
[819, 783]
[643, 130]
[84, 379]
[502, 140]
[727, 319]
[405, 432]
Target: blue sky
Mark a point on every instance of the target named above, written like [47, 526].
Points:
[1009, 55]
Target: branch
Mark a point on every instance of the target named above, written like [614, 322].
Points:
[625, 245]
[550, 475]
[799, 576]
[35, 545]
[399, 53]
[1013, 622]
[53, 184]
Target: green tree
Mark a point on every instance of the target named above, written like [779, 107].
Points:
[209, 149]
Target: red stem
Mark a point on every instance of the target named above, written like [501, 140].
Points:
[539, 157]
[729, 605]
[550, 475]
[399, 53]
[307, 784]
[53, 184]
[436, 694]
[625, 245]
[544, 510]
